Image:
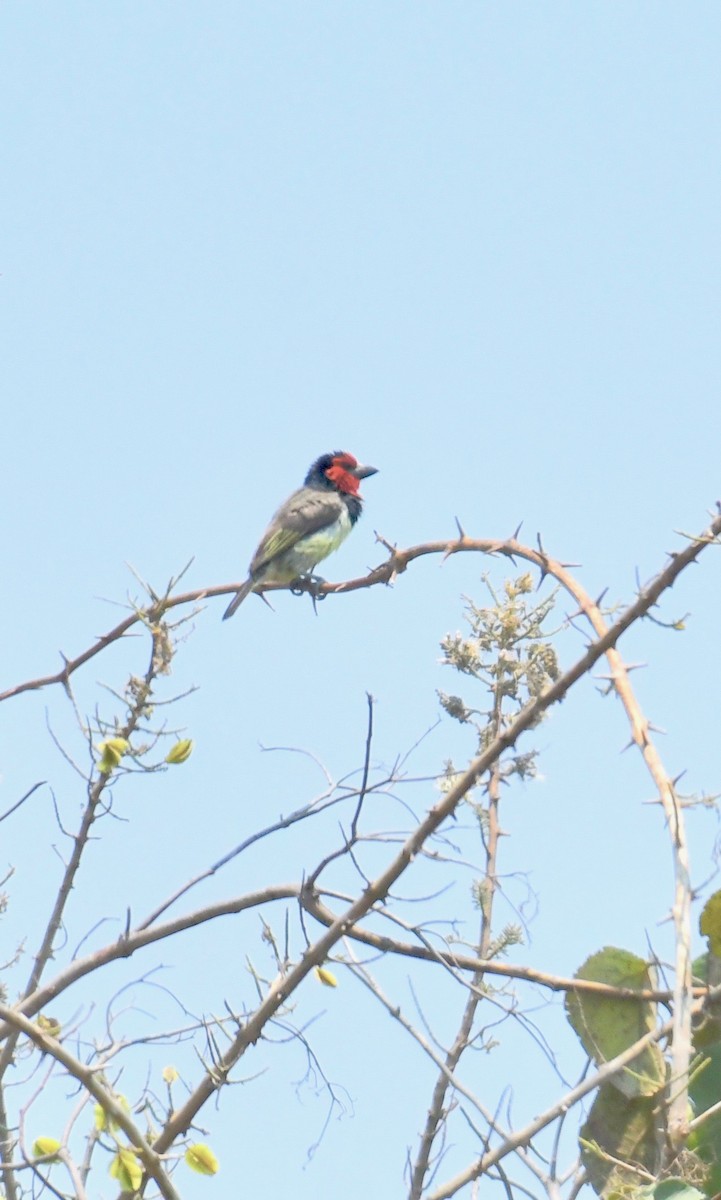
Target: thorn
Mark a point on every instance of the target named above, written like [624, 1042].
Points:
[384, 542]
[656, 729]
[678, 778]
[65, 680]
[600, 597]
[635, 667]
[628, 746]
[461, 530]
[519, 527]
[540, 545]
[567, 565]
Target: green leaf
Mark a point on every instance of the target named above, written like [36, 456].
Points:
[607, 1026]
[621, 1128]
[710, 923]
[675, 1189]
[705, 1091]
[707, 1027]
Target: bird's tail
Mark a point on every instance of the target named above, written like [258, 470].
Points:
[238, 598]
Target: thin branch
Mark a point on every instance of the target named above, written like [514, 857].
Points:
[366, 769]
[18, 803]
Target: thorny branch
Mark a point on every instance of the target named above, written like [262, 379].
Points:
[387, 572]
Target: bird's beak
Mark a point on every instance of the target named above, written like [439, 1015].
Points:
[363, 472]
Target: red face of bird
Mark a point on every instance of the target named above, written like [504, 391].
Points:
[346, 472]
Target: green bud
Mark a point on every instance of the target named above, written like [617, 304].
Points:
[111, 752]
[181, 751]
[43, 1147]
[127, 1170]
[326, 977]
[200, 1158]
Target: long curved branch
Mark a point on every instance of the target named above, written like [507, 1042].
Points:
[137, 939]
[397, 563]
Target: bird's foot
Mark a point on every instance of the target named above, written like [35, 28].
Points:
[311, 584]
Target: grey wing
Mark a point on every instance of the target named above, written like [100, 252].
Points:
[303, 513]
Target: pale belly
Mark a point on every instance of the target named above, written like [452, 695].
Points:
[309, 551]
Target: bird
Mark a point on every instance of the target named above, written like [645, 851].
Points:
[308, 526]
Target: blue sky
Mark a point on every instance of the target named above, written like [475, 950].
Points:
[476, 244]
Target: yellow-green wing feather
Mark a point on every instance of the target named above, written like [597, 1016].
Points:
[302, 514]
